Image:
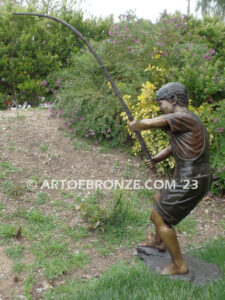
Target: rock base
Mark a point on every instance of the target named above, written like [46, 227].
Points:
[199, 271]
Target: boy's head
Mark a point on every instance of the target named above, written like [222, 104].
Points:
[175, 92]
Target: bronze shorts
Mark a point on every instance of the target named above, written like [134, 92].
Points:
[175, 204]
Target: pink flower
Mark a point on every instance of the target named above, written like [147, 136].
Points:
[212, 51]
[218, 170]
[163, 30]
[214, 176]
[115, 43]
[92, 132]
[208, 56]
[44, 83]
[109, 130]
[219, 130]
[215, 120]
[58, 81]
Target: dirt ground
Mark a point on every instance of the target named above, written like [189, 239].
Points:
[37, 144]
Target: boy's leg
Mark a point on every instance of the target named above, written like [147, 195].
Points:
[168, 236]
[154, 240]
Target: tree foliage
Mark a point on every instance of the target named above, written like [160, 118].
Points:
[213, 7]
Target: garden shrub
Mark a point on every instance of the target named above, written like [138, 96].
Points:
[136, 51]
[31, 48]
[146, 108]
[213, 116]
[4, 101]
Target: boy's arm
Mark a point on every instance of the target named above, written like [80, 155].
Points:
[162, 155]
[146, 124]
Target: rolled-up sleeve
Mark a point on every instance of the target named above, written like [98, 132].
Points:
[179, 122]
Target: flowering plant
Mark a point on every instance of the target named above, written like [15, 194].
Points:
[218, 179]
[146, 108]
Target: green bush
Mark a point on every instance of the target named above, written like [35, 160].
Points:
[32, 48]
[216, 128]
[4, 101]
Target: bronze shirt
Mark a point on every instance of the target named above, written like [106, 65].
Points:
[189, 140]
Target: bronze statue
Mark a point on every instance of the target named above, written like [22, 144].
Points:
[189, 144]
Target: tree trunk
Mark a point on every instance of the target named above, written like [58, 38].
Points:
[189, 7]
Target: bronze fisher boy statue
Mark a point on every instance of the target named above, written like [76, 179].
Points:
[189, 144]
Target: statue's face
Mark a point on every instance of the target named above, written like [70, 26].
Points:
[165, 106]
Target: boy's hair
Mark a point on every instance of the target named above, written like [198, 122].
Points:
[173, 91]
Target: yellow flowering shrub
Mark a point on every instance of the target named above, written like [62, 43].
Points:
[207, 113]
[158, 74]
[156, 139]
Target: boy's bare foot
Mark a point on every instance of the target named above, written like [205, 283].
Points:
[172, 269]
[152, 242]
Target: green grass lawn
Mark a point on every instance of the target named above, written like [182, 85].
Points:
[135, 282]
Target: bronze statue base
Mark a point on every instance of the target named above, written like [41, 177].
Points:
[199, 271]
